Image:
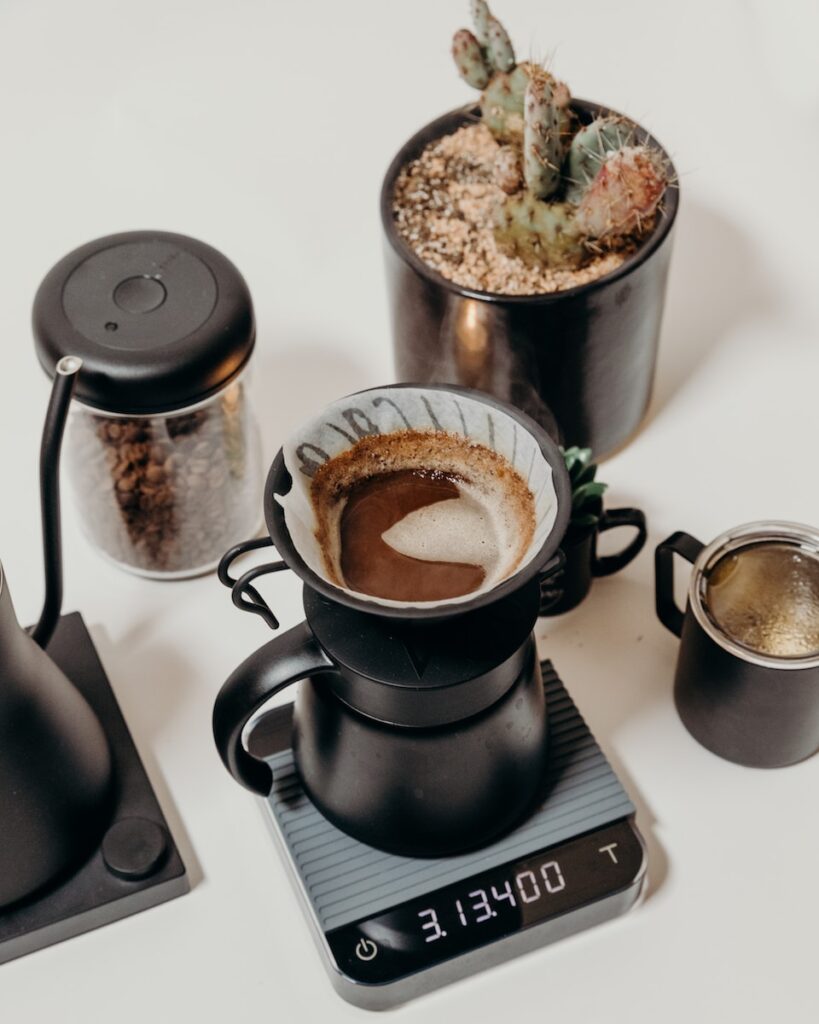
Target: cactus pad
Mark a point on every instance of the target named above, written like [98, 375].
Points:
[469, 60]
[502, 104]
[499, 49]
[542, 145]
[539, 232]
[589, 149]
[624, 195]
[481, 16]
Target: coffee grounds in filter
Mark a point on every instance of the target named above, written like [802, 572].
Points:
[486, 492]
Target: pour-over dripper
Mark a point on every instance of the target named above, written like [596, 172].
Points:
[387, 410]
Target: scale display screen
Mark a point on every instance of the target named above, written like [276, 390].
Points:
[488, 906]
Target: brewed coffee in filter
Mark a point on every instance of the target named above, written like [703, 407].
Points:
[415, 496]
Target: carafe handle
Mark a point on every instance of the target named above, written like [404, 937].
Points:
[292, 656]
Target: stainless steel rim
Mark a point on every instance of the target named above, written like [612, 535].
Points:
[767, 531]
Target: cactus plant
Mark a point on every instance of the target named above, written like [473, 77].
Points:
[586, 491]
[589, 149]
[572, 190]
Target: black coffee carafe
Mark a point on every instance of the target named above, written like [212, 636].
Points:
[421, 731]
[55, 763]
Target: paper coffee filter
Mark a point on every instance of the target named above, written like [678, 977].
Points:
[390, 410]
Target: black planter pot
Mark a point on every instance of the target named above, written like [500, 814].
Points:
[584, 356]
[569, 587]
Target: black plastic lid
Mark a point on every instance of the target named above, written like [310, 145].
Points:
[161, 321]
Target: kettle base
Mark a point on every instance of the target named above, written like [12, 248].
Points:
[137, 864]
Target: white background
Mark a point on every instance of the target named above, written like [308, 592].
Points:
[264, 128]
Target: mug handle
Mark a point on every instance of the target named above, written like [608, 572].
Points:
[611, 519]
[292, 656]
[677, 544]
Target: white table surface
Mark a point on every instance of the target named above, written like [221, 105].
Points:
[264, 128]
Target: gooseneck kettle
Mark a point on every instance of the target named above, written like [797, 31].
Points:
[55, 763]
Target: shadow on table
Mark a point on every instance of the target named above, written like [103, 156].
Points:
[716, 283]
[594, 653]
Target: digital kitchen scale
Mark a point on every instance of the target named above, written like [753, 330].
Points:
[392, 928]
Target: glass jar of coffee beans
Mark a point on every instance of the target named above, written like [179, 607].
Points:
[162, 448]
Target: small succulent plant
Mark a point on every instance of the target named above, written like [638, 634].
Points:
[586, 491]
[572, 190]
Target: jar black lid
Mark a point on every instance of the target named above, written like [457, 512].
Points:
[161, 321]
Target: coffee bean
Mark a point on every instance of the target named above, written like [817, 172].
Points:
[168, 494]
[127, 483]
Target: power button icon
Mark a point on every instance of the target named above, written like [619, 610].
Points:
[366, 950]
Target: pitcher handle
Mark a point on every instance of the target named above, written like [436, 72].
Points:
[677, 544]
[288, 658]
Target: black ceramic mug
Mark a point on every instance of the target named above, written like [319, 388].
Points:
[733, 694]
[568, 588]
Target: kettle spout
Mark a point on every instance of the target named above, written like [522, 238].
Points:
[65, 380]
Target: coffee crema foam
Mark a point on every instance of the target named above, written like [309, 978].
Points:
[477, 511]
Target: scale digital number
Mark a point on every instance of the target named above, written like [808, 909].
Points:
[537, 899]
